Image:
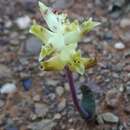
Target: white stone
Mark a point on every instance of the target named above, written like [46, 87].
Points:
[36, 98]
[33, 117]
[23, 22]
[128, 75]
[99, 119]
[79, 96]
[8, 24]
[62, 104]
[52, 96]
[8, 88]
[57, 116]
[110, 118]
[119, 46]
[66, 86]
[125, 22]
[59, 91]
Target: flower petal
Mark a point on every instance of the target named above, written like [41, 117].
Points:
[89, 62]
[67, 51]
[42, 6]
[50, 18]
[57, 41]
[80, 69]
[45, 51]
[53, 64]
[72, 37]
[40, 32]
[88, 25]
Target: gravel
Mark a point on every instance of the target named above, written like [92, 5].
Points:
[48, 96]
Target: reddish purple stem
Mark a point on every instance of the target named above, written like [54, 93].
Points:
[80, 109]
[72, 88]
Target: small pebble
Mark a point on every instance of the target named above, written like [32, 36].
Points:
[108, 36]
[59, 91]
[52, 82]
[36, 98]
[70, 120]
[24, 75]
[41, 109]
[57, 116]
[23, 22]
[13, 128]
[127, 108]
[66, 86]
[1, 103]
[125, 22]
[8, 88]
[128, 75]
[63, 4]
[127, 68]
[99, 119]
[45, 124]
[126, 36]
[127, 54]
[110, 117]
[32, 46]
[112, 98]
[62, 104]
[5, 72]
[52, 96]
[119, 46]
[29, 5]
[121, 88]
[8, 24]
[79, 96]
[128, 89]
[27, 84]
[33, 117]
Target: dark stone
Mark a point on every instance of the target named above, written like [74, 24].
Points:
[12, 128]
[27, 84]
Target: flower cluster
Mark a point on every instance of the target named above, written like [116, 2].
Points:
[60, 41]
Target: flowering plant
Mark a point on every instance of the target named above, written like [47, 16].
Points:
[60, 40]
